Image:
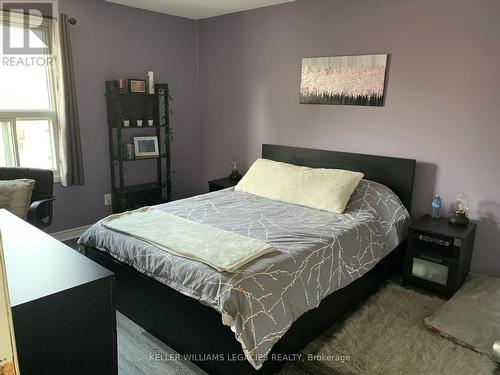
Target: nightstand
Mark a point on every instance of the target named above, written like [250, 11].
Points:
[438, 255]
[221, 183]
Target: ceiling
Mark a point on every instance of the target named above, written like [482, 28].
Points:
[197, 9]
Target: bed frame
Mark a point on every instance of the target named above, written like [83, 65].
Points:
[190, 327]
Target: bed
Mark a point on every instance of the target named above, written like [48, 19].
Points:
[284, 299]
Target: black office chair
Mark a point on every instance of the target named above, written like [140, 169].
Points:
[40, 211]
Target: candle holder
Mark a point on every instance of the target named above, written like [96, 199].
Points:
[235, 174]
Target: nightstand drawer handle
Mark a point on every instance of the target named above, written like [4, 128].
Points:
[429, 258]
[433, 240]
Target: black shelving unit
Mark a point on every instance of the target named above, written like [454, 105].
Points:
[137, 106]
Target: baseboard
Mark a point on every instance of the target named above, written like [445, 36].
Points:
[70, 234]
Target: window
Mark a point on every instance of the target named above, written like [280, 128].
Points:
[28, 121]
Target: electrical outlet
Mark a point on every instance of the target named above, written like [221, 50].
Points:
[108, 200]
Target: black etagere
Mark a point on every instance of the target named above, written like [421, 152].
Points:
[133, 107]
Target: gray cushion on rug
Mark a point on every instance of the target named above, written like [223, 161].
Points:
[472, 316]
[15, 196]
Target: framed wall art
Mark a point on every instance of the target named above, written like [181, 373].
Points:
[348, 80]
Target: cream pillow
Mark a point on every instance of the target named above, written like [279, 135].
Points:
[15, 196]
[324, 189]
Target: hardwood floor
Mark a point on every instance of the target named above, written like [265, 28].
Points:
[140, 353]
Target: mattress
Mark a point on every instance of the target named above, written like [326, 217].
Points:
[318, 252]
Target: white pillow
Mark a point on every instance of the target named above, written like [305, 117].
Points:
[15, 196]
[324, 189]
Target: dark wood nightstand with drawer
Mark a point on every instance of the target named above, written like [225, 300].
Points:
[221, 183]
[438, 255]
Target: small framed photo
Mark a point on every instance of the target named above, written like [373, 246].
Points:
[137, 85]
[146, 146]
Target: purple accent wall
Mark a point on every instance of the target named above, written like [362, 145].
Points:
[109, 42]
[442, 98]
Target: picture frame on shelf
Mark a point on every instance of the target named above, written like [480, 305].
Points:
[137, 86]
[146, 146]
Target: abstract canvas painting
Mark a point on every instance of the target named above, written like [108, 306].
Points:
[354, 80]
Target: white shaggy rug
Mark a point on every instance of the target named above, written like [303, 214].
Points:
[386, 335]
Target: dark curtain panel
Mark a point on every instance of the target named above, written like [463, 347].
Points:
[70, 149]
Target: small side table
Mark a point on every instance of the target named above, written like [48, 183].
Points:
[221, 183]
[438, 255]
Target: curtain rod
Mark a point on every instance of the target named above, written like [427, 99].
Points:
[71, 20]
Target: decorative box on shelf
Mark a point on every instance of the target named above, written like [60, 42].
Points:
[438, 255]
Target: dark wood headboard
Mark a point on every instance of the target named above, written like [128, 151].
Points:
[395, 173]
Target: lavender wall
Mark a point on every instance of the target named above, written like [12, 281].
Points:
[109, 42]
[441, 109]
[441, 106]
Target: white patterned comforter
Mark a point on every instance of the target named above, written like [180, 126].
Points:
[317, 253]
